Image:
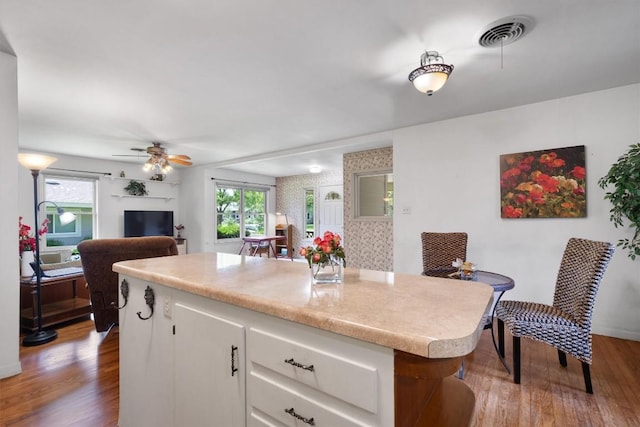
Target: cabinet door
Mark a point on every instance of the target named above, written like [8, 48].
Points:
[209, 369]
[146, 353]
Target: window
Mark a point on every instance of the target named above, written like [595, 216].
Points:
[240, 211]
[75, 195]
[309, 210]
[373, 195]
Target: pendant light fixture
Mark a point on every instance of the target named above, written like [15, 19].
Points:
[432, 73]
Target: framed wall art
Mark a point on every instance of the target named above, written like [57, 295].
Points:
[544, 184]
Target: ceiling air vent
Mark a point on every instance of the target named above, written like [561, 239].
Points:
[505, 31]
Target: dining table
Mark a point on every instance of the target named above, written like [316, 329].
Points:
[257, 242]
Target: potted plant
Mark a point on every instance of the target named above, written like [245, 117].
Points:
[136, 188]
[624, 175]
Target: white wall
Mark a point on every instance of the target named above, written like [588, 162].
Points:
[9, 272]
[447, 174]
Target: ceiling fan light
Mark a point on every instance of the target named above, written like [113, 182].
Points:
[432, 73]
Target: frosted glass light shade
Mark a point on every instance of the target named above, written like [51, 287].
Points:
[430, 82]
[34, 161]
[432, 73]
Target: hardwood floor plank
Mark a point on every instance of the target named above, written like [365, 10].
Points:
[73, 381]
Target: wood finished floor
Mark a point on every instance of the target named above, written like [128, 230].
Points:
[73, 381]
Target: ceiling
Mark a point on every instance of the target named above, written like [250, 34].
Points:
[274, 86]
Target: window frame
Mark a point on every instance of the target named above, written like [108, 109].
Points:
[240, 209]
[47, 209]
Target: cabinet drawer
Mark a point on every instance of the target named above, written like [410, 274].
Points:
[274, 403]
[346, 379]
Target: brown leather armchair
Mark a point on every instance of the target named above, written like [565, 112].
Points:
[99, 255]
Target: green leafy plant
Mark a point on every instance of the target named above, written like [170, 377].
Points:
[136, 188]
[228, 231]
[624, 175]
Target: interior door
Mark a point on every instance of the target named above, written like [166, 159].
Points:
[330, 209]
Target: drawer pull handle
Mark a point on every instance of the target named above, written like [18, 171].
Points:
[293, 413]
[234, 349]
[299, 365]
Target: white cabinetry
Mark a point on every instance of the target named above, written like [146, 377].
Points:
[195, 374]
[146, 360]
[303, 376]
[209, 369]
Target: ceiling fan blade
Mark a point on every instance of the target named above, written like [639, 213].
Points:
[179, 156]
[181, 162]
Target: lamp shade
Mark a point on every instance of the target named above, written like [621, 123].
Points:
[34, 161]
[432, 73]
[430, 81]
[66, 217]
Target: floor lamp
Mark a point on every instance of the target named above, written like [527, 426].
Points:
[35, 163]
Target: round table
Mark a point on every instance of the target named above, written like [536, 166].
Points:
[500, 283]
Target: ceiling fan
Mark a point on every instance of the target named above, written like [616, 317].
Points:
[159, 159]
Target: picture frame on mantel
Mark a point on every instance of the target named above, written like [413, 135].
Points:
[544, 184]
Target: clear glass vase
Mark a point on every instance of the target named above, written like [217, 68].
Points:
[327, 272]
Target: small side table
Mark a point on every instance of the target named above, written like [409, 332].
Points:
[500, 284]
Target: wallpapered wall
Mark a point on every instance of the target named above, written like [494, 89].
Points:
[290, 198]
[368, 244]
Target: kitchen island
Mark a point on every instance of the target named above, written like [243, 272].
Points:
[234, 340]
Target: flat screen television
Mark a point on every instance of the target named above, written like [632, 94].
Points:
[148, 223]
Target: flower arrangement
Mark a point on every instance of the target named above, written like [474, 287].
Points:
[543, 184]
[179, 227]
[325, 249]
[326, 258]
[26, 241]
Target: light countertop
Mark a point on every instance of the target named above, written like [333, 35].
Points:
[426, 316]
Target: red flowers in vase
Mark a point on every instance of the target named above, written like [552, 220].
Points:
[26, 241]
[326, 250]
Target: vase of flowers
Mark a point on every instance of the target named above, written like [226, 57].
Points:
[179, 227]
[326, 258]
[27, 245]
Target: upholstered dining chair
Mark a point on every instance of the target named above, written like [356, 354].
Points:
[565, 325]
[99, 255]
[439, 250]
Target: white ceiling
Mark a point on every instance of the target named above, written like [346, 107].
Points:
[273, 86]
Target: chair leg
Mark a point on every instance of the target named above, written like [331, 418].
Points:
[562, 356]
[501, 337]
[516, 360]
[587, 377]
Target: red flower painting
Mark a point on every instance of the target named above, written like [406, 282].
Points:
[544, 184]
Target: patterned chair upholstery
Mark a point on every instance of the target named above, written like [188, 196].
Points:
[565, 325]
[99, 255]
[439, 250]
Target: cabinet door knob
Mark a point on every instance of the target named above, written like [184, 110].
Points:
[299, 365]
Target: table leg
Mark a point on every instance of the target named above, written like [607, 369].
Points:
[273, 249]
[242, 247]
[493, 337]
